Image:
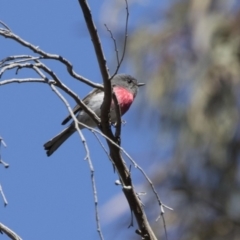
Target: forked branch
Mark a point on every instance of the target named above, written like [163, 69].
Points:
[115, 154]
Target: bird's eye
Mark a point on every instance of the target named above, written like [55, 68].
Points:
[129, 80]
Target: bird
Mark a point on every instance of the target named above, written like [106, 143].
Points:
[125, 88]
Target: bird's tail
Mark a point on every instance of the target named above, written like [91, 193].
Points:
[52, 145]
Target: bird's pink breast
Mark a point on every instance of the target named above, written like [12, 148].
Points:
[124, 97]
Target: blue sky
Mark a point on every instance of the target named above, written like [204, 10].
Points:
[51, 198]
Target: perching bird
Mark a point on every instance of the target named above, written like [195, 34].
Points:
[125, 88]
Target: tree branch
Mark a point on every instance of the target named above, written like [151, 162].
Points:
[101, 62]
[124, 174]
[10, 233]
[8, 34]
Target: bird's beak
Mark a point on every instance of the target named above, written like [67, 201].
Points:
[141, 84]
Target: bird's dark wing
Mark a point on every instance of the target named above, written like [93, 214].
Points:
[77, 108]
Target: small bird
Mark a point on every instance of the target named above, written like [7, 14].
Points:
[125, 88]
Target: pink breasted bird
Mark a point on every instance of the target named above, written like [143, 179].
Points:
[125, 88]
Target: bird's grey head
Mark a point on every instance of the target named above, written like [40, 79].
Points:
[128, 82]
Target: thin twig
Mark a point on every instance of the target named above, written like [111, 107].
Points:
[6, 165]
[3, 196]
[119, 62]
[2, 142]
[23, 58]
[5, 25]
[103, 147]
[23, 80]
[126, 33]
[114, 42]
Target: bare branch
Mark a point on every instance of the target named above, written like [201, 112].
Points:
[126, 34]
[114, 42]
[8, 34]
[3, 196]
[119, 62]
[102, 64]
[2, 142]
[5, 25]
[22, 58]
[103, 147]
[6, 165]
[124, 174]
[10, 233]
[22, 80]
